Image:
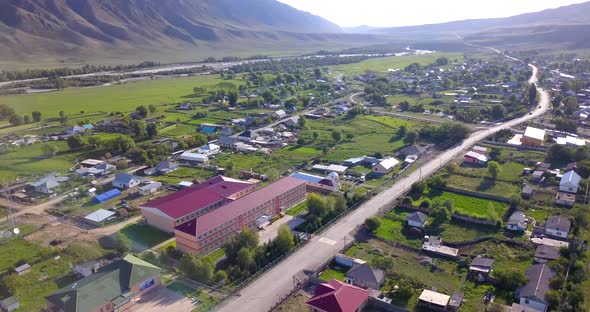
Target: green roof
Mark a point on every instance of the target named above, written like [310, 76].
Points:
[105, 286]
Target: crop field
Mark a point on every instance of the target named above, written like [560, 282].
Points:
[117, 98]
[473, 207]
[383, 64]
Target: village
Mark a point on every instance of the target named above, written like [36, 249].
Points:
[189, 201]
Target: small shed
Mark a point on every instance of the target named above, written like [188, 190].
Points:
[99, 216]
[527, 192]
[537, 176]
[107, 196]
[23, 269]
[9, 304]
[150, 188]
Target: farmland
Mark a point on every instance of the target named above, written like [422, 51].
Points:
[393, 62]
[473, 207]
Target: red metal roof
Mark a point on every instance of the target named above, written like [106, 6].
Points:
[197, 197]
[238, 207]
[336, 296]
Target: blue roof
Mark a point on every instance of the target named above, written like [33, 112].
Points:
[571, 176]
[107, 196]
[88, 126]
[208, 129]
[307, 177]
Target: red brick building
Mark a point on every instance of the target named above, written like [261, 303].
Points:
[169, 211]
[211, 230]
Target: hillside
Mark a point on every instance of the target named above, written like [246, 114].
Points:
[71, 30]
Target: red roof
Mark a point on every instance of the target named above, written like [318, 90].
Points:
[197, 197]
[336, 296]
[232, 210]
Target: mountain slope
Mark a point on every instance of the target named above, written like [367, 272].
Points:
[76, 27]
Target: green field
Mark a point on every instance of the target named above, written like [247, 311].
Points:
[486, 186]
[297, 210]
[382, 64]
[116, 98]
[473, 207]
[30, 161]
[333, 272]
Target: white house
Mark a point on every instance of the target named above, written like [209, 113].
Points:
[416, 219]
[192, 157]
[210, 149]
[87, 268]
[126, 181]
[475, 158]
[570, 182]
[280, 114]
[558, 226]
[385, 166]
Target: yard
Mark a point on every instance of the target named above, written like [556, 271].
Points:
[472, 206]
[145, 235]
[297, 210]
[334, 272]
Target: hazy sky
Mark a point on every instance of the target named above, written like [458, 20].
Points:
[417, 12]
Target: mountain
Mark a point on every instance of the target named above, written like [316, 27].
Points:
[564, 27]
[81, 28]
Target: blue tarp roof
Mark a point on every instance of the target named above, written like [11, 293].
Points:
[208, 129]
[307, 177]
[107, 196]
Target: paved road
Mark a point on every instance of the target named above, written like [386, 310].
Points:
[263, 293]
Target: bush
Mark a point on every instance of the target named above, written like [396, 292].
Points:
[123, 213]
[425, 203]
[372, 224]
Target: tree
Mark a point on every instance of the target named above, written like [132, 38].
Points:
[494, 169]
[566, 125]
[557, 100]
[515, 201]
[317, 73]
[316, 205]
[372, 224]
[301, 121]
[315, 135]
[50, 149]
[532, 94]
[244, 259]
[124, 143]
[401, 131]
[152, 130]
[63, 118]
[187, 264]
[142, 111]
[448, 84]
[232, 97]
[385, 264]
[139, 128]
[203, 271]
[26, 119]
[411, 137]
[336, 136]
[123, 243]
[437, 182]
[497, 112]
[36, 116]
[340, 204]
[152, 108]
[15, 120]
[404, 106]
[284, 241]
[442, 61]
[509, 280]
[75, 141]
[220, 277]
[94, 142]
[440, 214]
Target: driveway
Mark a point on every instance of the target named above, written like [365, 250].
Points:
[271, 231]
[163, 299]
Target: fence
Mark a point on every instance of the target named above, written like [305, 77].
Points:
[454, 216]
[476, 194]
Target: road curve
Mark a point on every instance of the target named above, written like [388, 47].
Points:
[263, 293]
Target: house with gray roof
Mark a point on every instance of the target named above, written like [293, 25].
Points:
[9, 304]
[416, 219]
[48, 184]
[570, 182]
[545, 253]
[115, 287]
[162, 167]
[481, 267]
[558, 226]
[365, 276]
[532, 294]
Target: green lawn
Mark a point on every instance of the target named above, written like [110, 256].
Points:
[472, 206]
[20, 250]
[297, 210]
[145, 235]
[486, 186]
[31, 161]
[123, 98]
[184, 174]
[382, 64]
[506, 257]
[333, 272]
[215, 255]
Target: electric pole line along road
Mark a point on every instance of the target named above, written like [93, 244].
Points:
[263, 293]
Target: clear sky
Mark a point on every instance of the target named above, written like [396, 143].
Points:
[383, 13]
